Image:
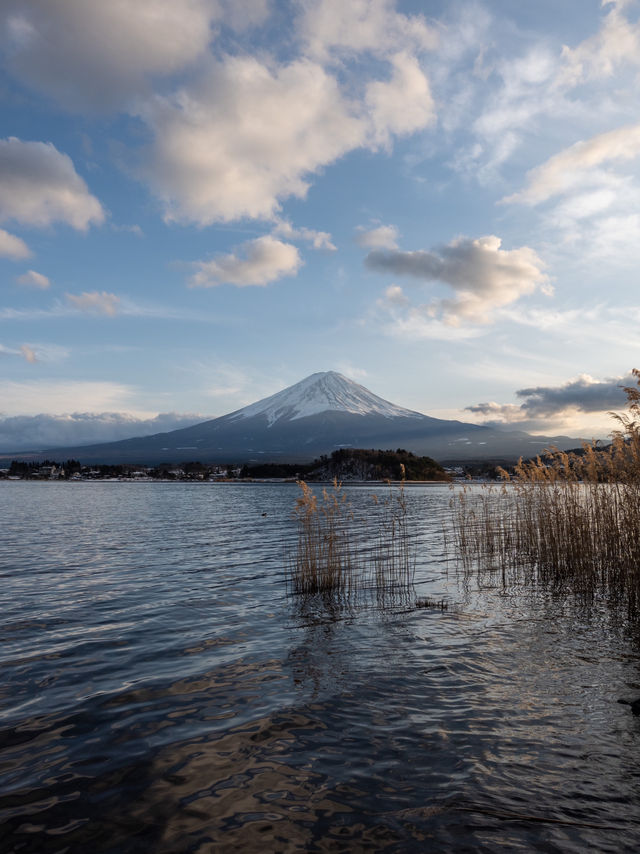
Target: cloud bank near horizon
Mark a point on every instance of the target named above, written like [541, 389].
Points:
[548, 404]
[40, 432]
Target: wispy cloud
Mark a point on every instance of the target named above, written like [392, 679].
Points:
[24, 351]
[512, 98]
[397, 317]
[95, 302]
[29, 354]
[617, 43]
[33, 353]
[352, 371]
[611, 325]
[126, 308]
[32, 279]
[573, 167]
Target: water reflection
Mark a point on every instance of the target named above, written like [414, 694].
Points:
[169, 696]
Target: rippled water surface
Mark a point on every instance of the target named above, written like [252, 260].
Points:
[161, 691]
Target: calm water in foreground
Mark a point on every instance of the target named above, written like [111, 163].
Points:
[161, 692]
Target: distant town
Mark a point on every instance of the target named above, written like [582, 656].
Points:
[74, 470]
[345, 464]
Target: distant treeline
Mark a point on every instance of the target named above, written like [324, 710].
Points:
[343, 464]
[371, 464]
[353, 464]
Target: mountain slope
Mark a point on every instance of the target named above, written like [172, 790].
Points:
[322, 392]
[315, 416]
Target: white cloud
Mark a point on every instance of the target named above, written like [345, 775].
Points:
[32, 279]
[250, 133]
[39, 186]
[247, 136]
[41, 431]
[95, 302]
[483, 276]
[243, 133]
[13, 247]
[381, 237]
[402, 104]
[318, 239]
[572, 168]
[361, 25]
[265, 260]
[98, 54]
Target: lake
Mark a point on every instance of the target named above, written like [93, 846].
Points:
[161, 689]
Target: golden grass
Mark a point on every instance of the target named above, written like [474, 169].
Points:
[325, 558]
[344, 553]
[568, 521]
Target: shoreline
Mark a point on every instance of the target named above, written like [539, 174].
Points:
[226, 482]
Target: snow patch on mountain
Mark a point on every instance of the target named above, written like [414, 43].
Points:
[326, 391]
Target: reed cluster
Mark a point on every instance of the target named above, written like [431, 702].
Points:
[343, 552]
[570, 521]
[325, 558]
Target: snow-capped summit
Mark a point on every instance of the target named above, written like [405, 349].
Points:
[327, 391]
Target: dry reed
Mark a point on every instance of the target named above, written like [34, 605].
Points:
[325, 558]
[569, 521]
[342, 553]
[393, 558]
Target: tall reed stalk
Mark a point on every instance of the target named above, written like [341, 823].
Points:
[570, 521]
[394, 555]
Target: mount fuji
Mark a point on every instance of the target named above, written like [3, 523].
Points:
[317, 415]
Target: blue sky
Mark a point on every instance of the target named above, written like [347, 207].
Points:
[203, 201]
